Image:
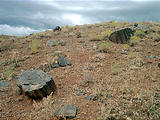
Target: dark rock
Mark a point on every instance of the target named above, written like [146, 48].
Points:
[52, 43]
[57, 28]
[80, 93]
[66, 111]
[121, 36]
[157, 40]
[89, 97]
[79, 35]
[63, 62]
[126, 52]
[4, 84]
[1, 76]
[63, 43]
[150, 57]
[14, 77]
[18, 91]
[54, 65]
[158, 57]
[45, 67]
[136, 25]
[35, 83]
[108, 96]
[159, 65]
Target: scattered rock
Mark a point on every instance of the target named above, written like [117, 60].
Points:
[126, 52]
[157, 40]
[54, 65]
[57, 28]
[63, 62]
[87, 83]
[79, 35]
[1, 76]
[150, 56]
[89, 97]
[121, 36]
[52, 43]
[136, 25]
[45, 67]
[66, 111]
[35, 83]
[4, 84]
[80, 93]
[18, 91]
[138, 62]
[63, 43]
[108, 96]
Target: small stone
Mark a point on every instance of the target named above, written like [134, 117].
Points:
[89, 97]
[150, 57]
[54, 65]
[18, 91]
[138, 62]
[63, 43]
[157, 40]
[52, 43]
[136, 25]
[63, 62]
[4, 84]
[108, 96]
[1, 76]
[79, 35]
[125, 52]
[159, 65]
[66, 111]
[80, 93]
[57, 28]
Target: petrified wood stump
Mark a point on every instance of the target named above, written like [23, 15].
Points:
[35, 83]
[121, 36]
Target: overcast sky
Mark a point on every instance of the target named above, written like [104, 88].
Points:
[22, 17]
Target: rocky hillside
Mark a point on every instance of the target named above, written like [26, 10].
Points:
[107, 71]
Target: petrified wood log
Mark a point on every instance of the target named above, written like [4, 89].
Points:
[35, 83]
[121, 36]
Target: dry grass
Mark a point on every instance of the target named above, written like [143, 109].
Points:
[35, 46]
[43, 110]
[105, 47]
[134, 40]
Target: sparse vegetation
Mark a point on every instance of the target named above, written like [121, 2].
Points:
[105, 34]
[140, 33]
[35, 46]
[115, 68]
[106, 81]
[105, 47]
[134, 40]
[8, 72]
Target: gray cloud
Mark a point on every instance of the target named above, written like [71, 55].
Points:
[43, 14]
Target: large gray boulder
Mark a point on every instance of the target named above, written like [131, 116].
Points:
[122, 36]
[35, 83]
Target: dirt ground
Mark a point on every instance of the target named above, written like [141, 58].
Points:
[116, 85]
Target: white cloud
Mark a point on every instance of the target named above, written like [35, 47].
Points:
[19, 31]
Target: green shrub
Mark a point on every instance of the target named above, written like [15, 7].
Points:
[140, 33]
[8, 72]
[115, 68]
[35, 46]
[93, 37]
[104, 47]
[105, 34]
[134, 40]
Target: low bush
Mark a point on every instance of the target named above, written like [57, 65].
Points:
[35, 46]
